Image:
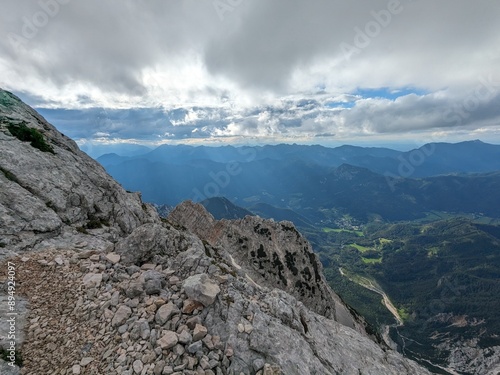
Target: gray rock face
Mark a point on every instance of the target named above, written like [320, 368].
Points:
[469, 357]
[301, 342]
[44, 194]
[152, 242]
[270, 253]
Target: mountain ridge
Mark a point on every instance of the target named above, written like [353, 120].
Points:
[140, 294]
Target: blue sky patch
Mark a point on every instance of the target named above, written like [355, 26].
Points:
[387, 93]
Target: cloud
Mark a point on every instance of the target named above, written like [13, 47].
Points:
[253, 68]
[294, 119]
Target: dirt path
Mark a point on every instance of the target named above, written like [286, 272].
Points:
[368, 284]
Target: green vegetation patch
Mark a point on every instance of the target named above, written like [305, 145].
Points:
[359, 247]
[433, 251]
[371, 260]
[27, 134]
[339, 230]
[403, 314]
[384, 241]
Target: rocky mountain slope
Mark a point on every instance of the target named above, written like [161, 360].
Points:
[52, 191]
[271, 253]
[103, 286]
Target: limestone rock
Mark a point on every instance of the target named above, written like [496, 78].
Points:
[168, 340]
[137, 366]
[85, 361]
[45, 195]
[121, 315]
[201, 288]
[165, 312]
[199, 332]
[113, 257]
[154, 241]
[91, 280]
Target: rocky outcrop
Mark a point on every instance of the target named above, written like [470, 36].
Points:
[49, 188]
[269, 253]
[106, 287]
[91, 314]
[468, 357]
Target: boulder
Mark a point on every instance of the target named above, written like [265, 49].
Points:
[201, 288]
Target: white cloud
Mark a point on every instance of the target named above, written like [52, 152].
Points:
[258, 69]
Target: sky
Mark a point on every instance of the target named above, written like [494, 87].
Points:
[257, 71]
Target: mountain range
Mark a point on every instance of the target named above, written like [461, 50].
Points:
[321, 183]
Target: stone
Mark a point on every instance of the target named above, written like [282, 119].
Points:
[204, 363]
[190, 305]
[193, 321]
[248, 328]
[152, 287]
[133, 269]
[145, 331]
[134, 289]
[137, 366]
[207, 340]
[148, 357]
[168, 340]
[92, 280]
[185, 337]
[201, 288]
[115, 299]
[140, 329]
[258, 364]
[76, 370]
[158, 369]
[113, 257]
[271, 370]
[154, 275]
[85, 361]
[229, 352]
[134, 302]
[199, 332]
[178, 350]
[122, 329]
[121, 315]
[195, 347]
[165, 312]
